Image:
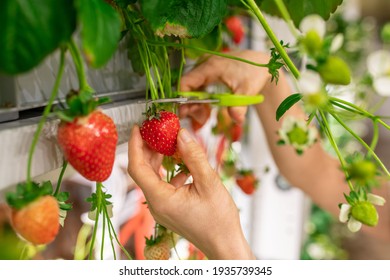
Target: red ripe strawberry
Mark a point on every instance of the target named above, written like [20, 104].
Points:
[89, 144]
[157, 249]
[38, 221]
[247, 181]
[160, 131]
[235, 132]
[236, 28]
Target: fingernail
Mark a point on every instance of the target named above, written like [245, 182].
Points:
[185, 136]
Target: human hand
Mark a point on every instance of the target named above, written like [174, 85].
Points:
[203, 212]
[239, 77]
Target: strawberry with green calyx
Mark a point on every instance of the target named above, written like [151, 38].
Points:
[87, 136]
[247, 181]
[157, 249]
[360, 209]
[160, 130]
[35, 212]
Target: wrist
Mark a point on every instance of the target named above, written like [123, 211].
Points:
[232, 248]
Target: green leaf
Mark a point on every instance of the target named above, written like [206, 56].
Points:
[101, 30]
[183, 18]
[63, 196]
[298, 9]
[212, 41]
[287, 104]
[32, 29]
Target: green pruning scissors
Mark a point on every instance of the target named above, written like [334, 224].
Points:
[220, 99]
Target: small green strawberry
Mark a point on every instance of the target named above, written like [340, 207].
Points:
[365, 212]
[335, 71]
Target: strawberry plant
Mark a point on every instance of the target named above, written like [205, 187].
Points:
[156, 31]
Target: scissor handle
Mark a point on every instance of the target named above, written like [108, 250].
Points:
[225, 99]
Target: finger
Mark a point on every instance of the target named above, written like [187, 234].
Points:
[238, 113]
[142, 168]
[179, 180]
[194, 157]
[206, 73]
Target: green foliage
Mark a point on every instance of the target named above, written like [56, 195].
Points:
[212, 41]
[28, 192]
[287, 104]
[32, 29]
[298, 9]
[276, 62]
[183, 18]
[101, 30]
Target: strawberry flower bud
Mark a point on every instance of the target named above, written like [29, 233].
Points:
[310, 86]
[295, 132]
[362, 171]
[314, 23]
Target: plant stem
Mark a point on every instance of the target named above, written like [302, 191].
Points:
[64, 165]
[79, 65]
[103, 232]
[117, 240]
[98, 209]
[375, 136]
[46, 112]
[361, 141]
[352, 110]
[357, 108]
[255, 9]
[311, 117]
[286, 16]
[182, 62]
[325, 126]
[169, 44]
[110, 234]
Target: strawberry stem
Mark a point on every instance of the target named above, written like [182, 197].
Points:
[182, 62]
[216, 53]
[64, 165]
[45, 114]
[251, 4]
[79, 65]
[103, 235]
[98, 209]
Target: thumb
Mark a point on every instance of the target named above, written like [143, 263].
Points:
[193, 156]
